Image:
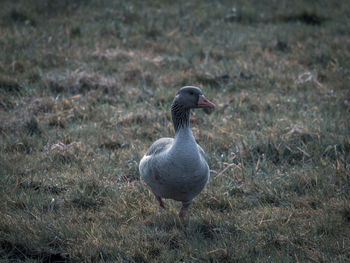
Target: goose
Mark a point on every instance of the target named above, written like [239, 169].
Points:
[176, 168]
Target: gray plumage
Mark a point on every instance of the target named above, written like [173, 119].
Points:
[177, 168]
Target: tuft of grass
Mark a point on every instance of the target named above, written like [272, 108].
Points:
[85, 88]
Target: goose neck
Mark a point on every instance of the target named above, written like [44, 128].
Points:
[180, 116]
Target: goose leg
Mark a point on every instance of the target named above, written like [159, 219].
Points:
[184, 208]
[160, 201]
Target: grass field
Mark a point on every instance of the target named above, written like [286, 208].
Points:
[86, 86]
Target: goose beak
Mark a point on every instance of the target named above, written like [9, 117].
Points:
[204, 103]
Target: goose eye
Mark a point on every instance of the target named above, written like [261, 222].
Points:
[191, 93]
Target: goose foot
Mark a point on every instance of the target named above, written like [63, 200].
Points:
[160, 201]
[182, 212]
[184, 208]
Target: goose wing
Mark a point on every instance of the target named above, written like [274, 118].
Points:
[159, 146]
[201, 152]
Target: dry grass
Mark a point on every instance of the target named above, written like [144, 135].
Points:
[85, 88]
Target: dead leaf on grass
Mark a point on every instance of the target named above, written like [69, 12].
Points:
[64, 152]
[78, 82]
[297, 132]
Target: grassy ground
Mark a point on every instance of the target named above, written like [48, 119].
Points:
[85, 88]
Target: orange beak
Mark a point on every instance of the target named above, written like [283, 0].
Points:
[204, 103]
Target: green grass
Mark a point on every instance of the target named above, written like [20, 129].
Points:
[86, 86]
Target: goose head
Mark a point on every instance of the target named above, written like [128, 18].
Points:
[190, 97]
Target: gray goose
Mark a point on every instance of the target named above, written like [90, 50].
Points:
[176, 168]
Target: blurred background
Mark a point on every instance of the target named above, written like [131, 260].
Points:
[86, 86]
